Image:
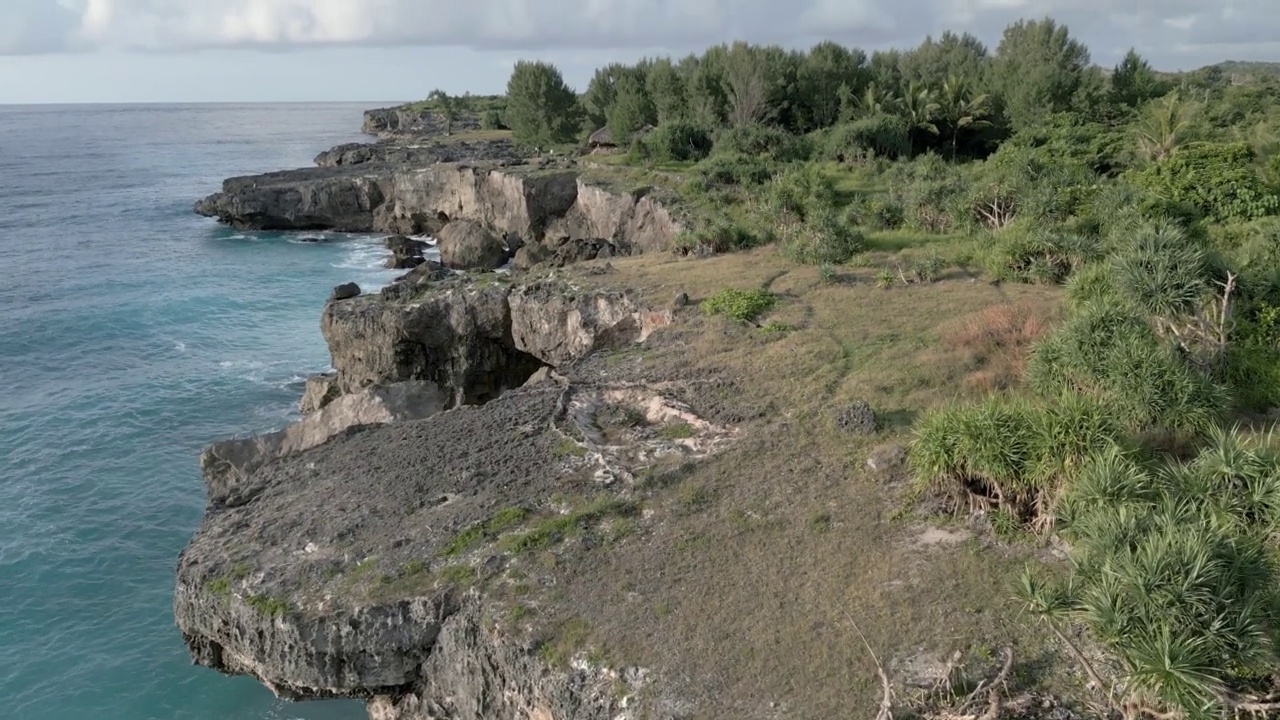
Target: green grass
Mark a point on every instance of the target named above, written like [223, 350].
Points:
[568, 448]
[678, 431]
[501, 521]
[569, 638]
[269, 605]
[219, 586]
[458, 574]
[556, 529]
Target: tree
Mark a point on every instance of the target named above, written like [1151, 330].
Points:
[876, 99]
[668, 91]
[747, 86]
[885, 68]
[602, 91]
[447, 106]
[919, 109]
[963, 56]
[541, 109]
[631, 109]
[960, 108]
[1134, 82]
[1165, 128]
[706, 86]
[826, 69]
[1037, 70]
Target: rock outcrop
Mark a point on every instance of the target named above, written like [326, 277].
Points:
[500, 151]
[475, 339]
[468, 245]
[227, 465]
[412, 120]
[406, 253]
[550, 207]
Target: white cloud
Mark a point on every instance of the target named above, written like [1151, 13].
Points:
[1158, 28]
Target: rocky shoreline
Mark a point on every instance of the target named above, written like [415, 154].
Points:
[363, 552]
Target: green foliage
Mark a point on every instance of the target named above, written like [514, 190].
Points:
[269, 605]
[457, 574]
[1037, 70]
[668, 90]
[500, 522]
[1134, 82]
[877, 213]
[1012, 453]
[1042, 256]
[1173, 571]
[929, 190]
[876, 135]
[492, 120]
[1220, 180]
[678, 141]
[631, 109]
[931, 64]
[1112, 355]
[718, 235]
[741, 305]
[823, 237]
[760, 141]
[826, 69]
[541, 109]
[742, 170]
[556, 529]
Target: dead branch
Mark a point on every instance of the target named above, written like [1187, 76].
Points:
[886, 702]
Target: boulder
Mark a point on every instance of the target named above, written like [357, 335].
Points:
[858, 418]
[467, 245]
[406, 253]
[229, 464]
[345, 291]
[319, 391]
[530, 255]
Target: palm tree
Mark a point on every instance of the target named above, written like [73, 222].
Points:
[876, 99]
[959, 108]
[1165, 129]
[919, 109]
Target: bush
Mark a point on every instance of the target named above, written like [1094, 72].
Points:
[1173, 573]
[762, 141]
[1220, 180]
[1008, 453]
[1112, 355]
[743, 305]
[822, 238]
[879, 135]
[1042, 256]
[878, 213]
[719, 236]
[734, 170]
[678, 142]
[930, 192]
[492, 120]
[800, 191]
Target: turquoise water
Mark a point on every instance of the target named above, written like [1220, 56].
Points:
[132, 333]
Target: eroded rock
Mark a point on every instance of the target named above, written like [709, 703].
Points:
[227, 465]
[319, 391]
[406, 252]
[467, 245]
[345, 291]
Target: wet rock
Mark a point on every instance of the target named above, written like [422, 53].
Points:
[406, 253]
[467, 245]
[858, 418]
[345, 291]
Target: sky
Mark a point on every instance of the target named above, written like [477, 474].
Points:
[70, 51]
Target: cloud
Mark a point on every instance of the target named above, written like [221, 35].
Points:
[1107, 26]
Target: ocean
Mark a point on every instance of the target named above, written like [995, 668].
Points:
[133, 333]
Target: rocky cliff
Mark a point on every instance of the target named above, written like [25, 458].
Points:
[353, 555]
[548, 207]
[413, 120]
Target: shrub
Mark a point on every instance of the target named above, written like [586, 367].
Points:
[719, 235]
[678, 142]
[1173, 572]
[878, 213]
[823, 237]
[879, 135]
[1008, 453]
[492, 120]
[743, 305]
[1043, 256]
[761, 141]
[734, 170]
[1113, 356]
[929, 190]
[1220, 180]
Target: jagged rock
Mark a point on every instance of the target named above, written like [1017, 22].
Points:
[557, 325]
[575, 250]
[681, 300]
[419, 153]
[410, 120]
[406, 253]
[466, 245]
[320, 390]
[416, 280]
[345, 291]
[530, 255]
[858, 418]
[411, 200]
[321, 580]
[227, 465]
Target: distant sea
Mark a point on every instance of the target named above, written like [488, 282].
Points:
[132, 333]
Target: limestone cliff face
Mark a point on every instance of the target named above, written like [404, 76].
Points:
[549, 207]
[475, 339]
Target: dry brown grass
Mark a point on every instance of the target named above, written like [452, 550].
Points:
[995, 342]
[740, 599]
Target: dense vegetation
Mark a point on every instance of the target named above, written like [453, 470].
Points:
[1151, 197]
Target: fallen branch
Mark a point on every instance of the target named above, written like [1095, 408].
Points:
[886, 702]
